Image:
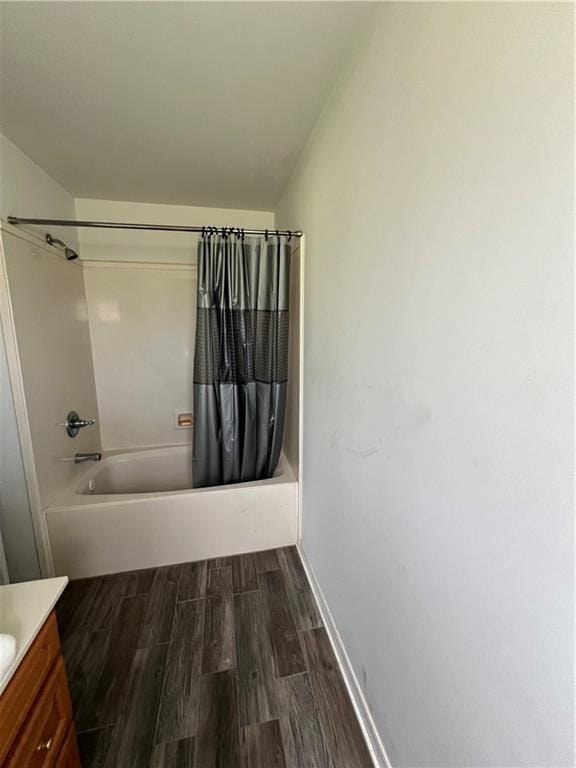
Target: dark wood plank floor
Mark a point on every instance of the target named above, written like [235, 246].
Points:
[218, 664]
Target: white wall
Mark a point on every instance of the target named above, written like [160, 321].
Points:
[28, 191]
[436, 197]
[134, 245]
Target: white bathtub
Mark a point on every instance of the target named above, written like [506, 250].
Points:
[137, 509]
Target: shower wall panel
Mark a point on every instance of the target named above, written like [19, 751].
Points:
[142, 323]
[50, 322]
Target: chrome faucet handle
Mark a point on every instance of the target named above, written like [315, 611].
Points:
[74, 423]
[83, 423]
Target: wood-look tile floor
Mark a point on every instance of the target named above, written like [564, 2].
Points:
[214, 664]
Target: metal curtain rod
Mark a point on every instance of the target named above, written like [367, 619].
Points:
[155, 227]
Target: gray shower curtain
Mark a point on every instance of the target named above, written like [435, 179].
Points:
[241, 358]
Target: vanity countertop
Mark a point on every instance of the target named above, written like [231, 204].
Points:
[24, 608]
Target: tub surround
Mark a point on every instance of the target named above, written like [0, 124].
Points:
[51, 371]
[133, 318]
[84, 534]
[142, 320]
[46, 292]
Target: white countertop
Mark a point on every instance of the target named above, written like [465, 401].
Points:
[24, 608]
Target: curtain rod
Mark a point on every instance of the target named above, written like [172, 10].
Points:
[155, 227]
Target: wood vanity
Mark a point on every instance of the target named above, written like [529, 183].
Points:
[36, 725]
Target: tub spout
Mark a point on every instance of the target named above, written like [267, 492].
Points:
[80, 458]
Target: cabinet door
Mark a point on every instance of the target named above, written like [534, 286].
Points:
[69, 757]
[40, 740]
[17, 699]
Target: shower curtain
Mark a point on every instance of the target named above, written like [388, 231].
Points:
[241, 358]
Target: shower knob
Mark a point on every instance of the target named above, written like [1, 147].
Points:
[74, 423]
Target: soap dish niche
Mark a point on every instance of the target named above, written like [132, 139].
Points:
[183, 420]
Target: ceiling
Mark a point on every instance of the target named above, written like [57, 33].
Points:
[199, 103]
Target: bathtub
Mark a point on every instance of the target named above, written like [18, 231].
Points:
[137, 509]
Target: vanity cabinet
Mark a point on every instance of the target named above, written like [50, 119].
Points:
[36, 725]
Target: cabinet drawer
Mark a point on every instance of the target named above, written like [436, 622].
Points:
[43, 735]
[21, 691]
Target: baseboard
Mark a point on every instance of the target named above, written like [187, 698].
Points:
[375, 746]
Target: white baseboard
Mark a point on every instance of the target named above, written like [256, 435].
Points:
[373, 741]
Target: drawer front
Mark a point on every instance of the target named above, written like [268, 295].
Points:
[23, 688]
[43, 735]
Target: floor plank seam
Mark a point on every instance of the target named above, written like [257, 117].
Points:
[98, 728]
[190, 600]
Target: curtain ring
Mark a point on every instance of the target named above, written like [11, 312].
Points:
[243, 234]
[289, 236]
[266, 235]
[277, 234]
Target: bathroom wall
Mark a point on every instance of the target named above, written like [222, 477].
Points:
[174, 247]
[141, 292]
[436, 194]
[28, 191]
[291, 440]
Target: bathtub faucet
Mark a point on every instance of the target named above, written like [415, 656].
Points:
[80, 458]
